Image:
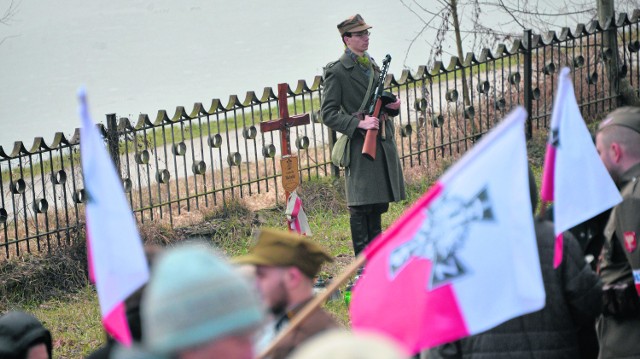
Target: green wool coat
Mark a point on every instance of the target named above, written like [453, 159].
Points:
[368, 182]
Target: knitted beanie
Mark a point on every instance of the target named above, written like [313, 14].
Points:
[195, 297]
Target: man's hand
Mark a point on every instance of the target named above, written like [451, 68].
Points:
[394, 105]
[369, 123]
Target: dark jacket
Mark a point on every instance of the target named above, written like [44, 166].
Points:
[368, 182]
[619, 265]
[19, 331]
[573, 298]
[317, 322]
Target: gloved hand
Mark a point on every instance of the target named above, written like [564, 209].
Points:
[394, 105]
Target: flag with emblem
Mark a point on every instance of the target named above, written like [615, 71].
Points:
[574, 178]
[117, 263]
[463, 258]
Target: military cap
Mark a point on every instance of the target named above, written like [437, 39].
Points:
[624, 116]
[354, 23]
[285, 249]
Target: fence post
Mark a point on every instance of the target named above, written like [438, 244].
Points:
[528, 78]
[113, 140]
[333, 137]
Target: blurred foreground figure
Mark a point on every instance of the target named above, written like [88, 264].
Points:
[22, 336]
[342, 344]
[197, 306]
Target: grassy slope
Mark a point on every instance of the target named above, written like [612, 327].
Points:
[74, 319]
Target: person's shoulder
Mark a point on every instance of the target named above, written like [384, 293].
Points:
[331, 66]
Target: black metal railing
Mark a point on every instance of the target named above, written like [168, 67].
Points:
[170, 165]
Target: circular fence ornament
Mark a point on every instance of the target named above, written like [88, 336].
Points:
[469, 112]
[302, 143]
[269, 151]
[437, 120]
[163, 176]
[514, 78]
[59, 177]
[18, 186]
[79, 196]
[199, 168]
[420, 104]
[578, 61]
[249, 133]
[127, 185]
[234, 159]
[179, 149]
[215, 141]
[452, 95]
[3, 215]
[40, 205]
[535, 93]
[483, 87]
[549, 69]
[142, 157]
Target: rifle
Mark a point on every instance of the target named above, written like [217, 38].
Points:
[369, 147]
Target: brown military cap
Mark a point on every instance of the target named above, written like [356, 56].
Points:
[354, 23]
[284, 249]
[624, 116]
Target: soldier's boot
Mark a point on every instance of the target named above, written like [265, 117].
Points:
[359, 232]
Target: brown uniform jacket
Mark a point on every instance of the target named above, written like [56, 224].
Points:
[368, 182]
[317, 322]
[620, 263]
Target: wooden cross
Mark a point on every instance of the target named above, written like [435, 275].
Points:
[284, 123]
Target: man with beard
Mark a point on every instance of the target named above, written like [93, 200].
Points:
[286, 264]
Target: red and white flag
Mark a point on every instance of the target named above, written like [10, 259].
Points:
[461, 260]
[574, 177]
[296, 218]
[117, 263]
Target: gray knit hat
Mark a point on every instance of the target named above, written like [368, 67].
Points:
[195, 297]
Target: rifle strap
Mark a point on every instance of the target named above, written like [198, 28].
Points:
[366, 95]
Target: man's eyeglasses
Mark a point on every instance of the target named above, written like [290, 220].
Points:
[360, 33]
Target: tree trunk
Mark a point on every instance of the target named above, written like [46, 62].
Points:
[617, 85]
[456, 28]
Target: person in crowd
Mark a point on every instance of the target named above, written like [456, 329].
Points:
[286, 264]
[197, 306]
[349, 83]
[343, 344]
[573, 299]
[22, 336]
[618, 143]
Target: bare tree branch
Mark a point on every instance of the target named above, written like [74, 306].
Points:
[11, 10]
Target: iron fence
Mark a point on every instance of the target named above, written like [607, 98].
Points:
[216, 152]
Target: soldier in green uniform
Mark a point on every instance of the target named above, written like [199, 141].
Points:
[348, 85]
[618, 143]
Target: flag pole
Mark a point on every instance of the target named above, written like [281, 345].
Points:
[543, 207]
[317, 301]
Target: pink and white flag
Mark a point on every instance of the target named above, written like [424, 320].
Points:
[461, 260]
[574, 177]
[117, 263]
